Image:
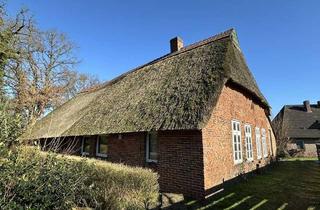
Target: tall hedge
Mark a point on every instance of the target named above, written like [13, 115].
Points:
[30, 179]
[117, 186]
[10, 124]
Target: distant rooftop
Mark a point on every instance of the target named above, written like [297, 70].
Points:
[303, 120]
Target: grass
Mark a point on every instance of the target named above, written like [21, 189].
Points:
[299, 159]
[291, 184]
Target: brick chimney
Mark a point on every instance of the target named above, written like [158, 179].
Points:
[307, 106]
[176, 44]
[318, 103]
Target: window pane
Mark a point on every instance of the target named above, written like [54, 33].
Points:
[300, 144]
[153, 156]
[153, 146]
[102, 145]
[86, 145]
[152, 143]
[258, 142]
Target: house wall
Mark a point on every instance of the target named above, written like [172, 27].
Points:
[310, 149]
[65, 145]
[180, 163]
[129, 149]
[219, 165]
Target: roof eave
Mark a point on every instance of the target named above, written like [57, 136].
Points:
[254, 95]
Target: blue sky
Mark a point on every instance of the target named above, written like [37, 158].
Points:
[280, 39]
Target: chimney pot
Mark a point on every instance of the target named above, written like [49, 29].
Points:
[176, 44]
[307, 106]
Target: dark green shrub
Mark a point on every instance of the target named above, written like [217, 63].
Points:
[10, 125]
[30, 179]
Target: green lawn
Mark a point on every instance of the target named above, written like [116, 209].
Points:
[293, 184]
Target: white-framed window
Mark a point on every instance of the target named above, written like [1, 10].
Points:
[102, 146]
[152, 147]
[264, 142]
[270, 142]
[236, 141]
[248, 137]
[258, 143]
[85, 146]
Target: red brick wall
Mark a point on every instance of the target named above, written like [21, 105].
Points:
[180, 163]
[130, 149]
[217, 136]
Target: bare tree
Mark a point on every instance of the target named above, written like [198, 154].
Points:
[9, 29]
[79, 82]
[37, 68]
[38, 77]
[281, 126]
[43, 76]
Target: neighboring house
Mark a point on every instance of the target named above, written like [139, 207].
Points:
[299, 127]
[195, 115]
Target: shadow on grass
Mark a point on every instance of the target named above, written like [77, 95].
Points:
[285, 185]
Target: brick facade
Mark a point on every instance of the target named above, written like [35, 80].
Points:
[180, 164]
[217, 137]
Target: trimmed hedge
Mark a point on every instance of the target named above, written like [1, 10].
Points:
[120, 186]
[30, 179]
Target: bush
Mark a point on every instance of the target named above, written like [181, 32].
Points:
[117, 186]
[30, 179]
[10, 125]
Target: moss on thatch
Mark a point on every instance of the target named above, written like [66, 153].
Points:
[177, 91]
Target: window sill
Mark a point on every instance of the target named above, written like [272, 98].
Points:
[101, 155]
[237, 162]
[152, 161]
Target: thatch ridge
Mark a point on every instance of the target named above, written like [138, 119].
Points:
[225, 34]
[176, 91]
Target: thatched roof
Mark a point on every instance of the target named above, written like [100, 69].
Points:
[174, 92]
